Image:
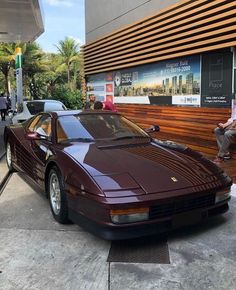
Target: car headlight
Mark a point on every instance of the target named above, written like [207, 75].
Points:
[129, 215]
[222, 195]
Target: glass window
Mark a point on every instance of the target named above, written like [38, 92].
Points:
[54, 106]
[91, 127]
[42, 125]
[33, 123]
[35, 107]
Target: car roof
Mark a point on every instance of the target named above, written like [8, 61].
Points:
[81, 112]
[43, 101]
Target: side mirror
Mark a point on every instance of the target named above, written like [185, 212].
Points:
[152, 129]
[33, 136]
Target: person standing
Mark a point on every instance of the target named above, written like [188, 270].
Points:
[3, 107]
[98, 105]
[109, 106]
[90, 103]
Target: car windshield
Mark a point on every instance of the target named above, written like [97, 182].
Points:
[92, 127]
[37, 107]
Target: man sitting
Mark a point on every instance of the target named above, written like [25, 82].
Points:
[225, 133]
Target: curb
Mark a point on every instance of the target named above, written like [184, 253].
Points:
[6, 178]
[5, 181]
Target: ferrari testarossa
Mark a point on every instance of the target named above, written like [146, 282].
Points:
[106, 174]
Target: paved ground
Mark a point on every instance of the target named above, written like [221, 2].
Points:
[38, 253]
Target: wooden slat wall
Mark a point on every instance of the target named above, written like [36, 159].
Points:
[188, 27]
[191, 126]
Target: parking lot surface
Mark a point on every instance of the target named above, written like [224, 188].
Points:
[38, 253]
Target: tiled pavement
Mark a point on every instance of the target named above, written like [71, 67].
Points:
[38, 253]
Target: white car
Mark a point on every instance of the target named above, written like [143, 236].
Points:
[31, 108]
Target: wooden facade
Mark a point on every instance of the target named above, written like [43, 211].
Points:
[191, 126]
[186, 28]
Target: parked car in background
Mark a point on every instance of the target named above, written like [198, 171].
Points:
[102, 171]
[30, 108]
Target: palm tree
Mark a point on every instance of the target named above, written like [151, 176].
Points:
[7, 51]
[32, 56]
[69, 51]
[33, 62]
[52, 76]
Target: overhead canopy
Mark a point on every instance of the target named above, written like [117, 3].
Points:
[20, 20]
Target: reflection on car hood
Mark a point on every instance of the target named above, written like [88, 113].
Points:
[153, 168]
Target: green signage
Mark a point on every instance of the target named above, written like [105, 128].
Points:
[18, 61]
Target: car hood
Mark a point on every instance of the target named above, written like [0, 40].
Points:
[149, 167]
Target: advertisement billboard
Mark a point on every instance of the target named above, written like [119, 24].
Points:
[217, 79]
[204, 80]
[178, 80]
[176, 77]
[101, 86]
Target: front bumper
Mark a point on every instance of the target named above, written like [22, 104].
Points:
[150, 227]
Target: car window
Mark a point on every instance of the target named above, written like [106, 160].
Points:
[42, 125]
[54, 106]
[20, 108]
[35, 107]
[33, 123]
[96, 126]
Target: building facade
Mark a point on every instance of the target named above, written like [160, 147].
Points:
[183, 50]
[106, 16]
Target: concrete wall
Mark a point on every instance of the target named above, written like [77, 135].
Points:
[105, 16]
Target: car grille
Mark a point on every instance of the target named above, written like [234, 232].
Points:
[180, 206]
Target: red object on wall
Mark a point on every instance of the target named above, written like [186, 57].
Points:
[109, 88]
[109, 98]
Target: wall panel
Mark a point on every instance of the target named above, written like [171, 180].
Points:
[188, 27]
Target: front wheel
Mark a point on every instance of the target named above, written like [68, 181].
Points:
[9, 157]
[57, 196]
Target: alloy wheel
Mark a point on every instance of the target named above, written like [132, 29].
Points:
[55, 193]
[8, 155]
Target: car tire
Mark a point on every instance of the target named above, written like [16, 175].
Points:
[9, 157]
[57, 196]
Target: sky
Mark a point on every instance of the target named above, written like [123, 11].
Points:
[61, 18]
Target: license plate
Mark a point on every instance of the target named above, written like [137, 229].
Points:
[185, 219]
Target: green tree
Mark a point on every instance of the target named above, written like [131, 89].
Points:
[33, 63]
[7, 51]
[71, 98]
[54, 75]
[69, 51]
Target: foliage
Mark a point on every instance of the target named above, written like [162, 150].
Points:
[7, 51]
[33, 59]
[71, 98]
[69, 52]
[2, 82]
[45, 75]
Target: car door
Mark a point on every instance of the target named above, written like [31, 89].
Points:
[24, 153]
[40, 149]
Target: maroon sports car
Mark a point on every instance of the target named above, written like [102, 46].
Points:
[103, 172]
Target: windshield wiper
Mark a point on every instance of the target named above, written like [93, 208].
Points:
[78, 140]
[130, 137]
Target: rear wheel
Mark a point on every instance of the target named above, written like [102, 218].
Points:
[57, 196]
[9, 157]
